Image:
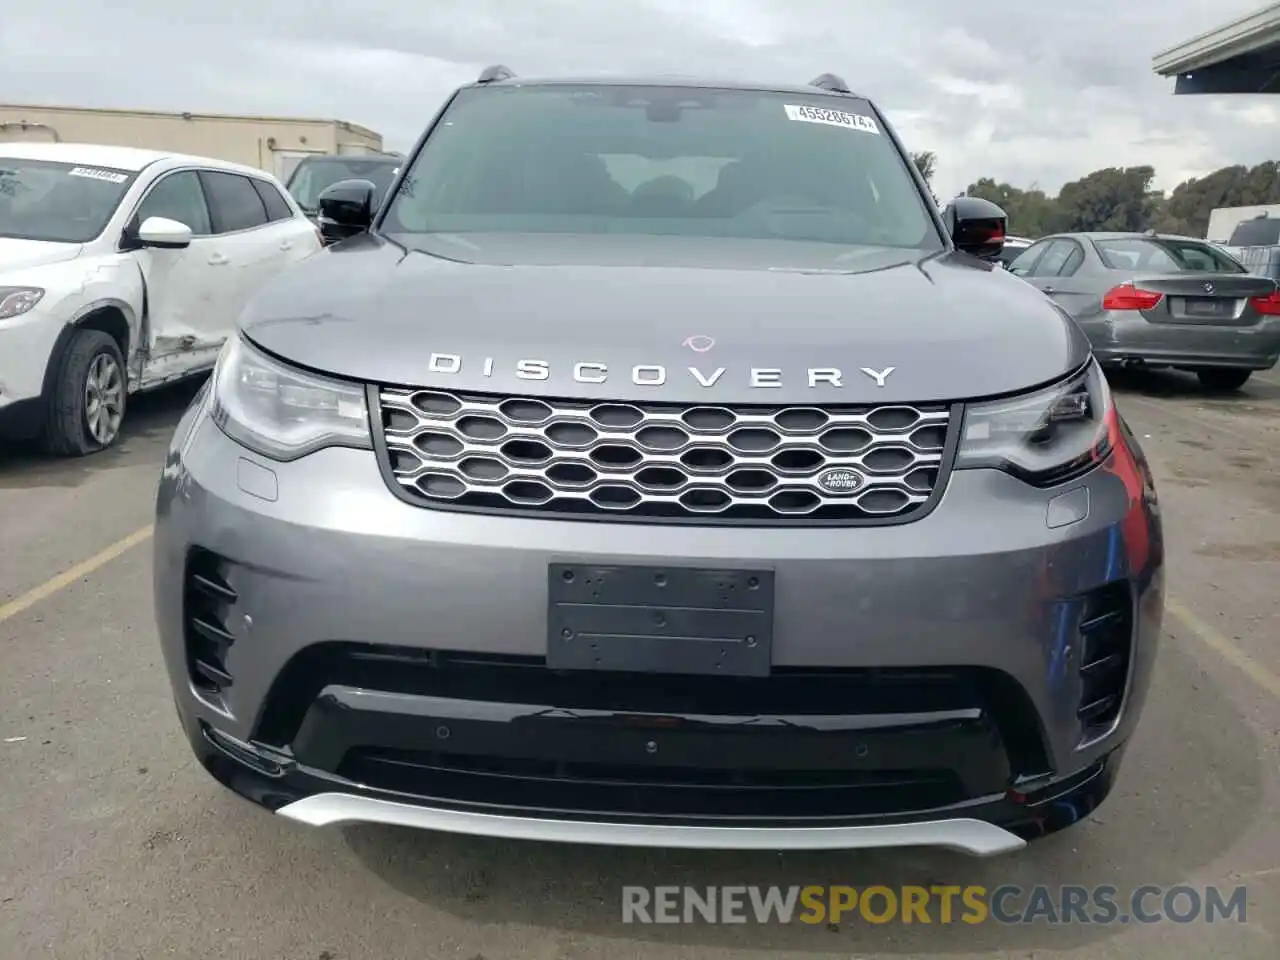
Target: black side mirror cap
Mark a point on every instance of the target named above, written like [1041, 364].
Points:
[977, 227]
[345, 209]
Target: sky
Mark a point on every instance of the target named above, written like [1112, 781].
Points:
[1036, 96]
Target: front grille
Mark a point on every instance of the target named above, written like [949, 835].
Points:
[663, 461]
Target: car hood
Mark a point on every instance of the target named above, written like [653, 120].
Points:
[666, 319]
[23, 254]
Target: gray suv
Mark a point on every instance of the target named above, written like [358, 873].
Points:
[659, 466]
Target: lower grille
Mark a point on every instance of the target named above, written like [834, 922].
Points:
[508, 732]
[657, 461]
[654, 792]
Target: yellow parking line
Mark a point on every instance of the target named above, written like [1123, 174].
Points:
[1224, 648]
[70, 576]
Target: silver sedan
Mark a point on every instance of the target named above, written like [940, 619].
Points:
[1145, 299]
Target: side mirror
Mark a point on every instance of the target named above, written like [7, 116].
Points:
[345, 209]
[164, 233]
[977, 226]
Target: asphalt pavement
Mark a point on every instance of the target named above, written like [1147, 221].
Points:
[115, 845]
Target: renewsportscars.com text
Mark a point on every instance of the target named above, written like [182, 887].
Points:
[934, 904]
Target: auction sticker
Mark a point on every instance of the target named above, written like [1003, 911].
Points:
[94, 174]
[833, 118]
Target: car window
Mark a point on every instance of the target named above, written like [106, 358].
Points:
[1075, 260]
[588, 159]
[1259, 232]
[233, 202]
[1062, 259]
[1026, 261]
[277, 208]
[312, 177]
[1010, 254]
[180, 197]
[287, 166]
[1052, 261]
[1163, 255]
[58, 202]
[1200, 258]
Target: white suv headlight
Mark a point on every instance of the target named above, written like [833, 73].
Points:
[15, 301]
[281, 412]
[1047, 437]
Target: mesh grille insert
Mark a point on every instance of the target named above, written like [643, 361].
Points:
[660, 460]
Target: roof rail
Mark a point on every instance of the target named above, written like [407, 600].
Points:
[495, 73]
[829, 81]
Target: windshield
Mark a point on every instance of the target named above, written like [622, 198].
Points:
[58, 202]
[315, 176]
[1259, 232]
[599, 159]
[1164, 256]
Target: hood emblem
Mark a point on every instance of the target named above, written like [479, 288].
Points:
[840, 481]
[656, 374]
[1208, 288]
[698, 343]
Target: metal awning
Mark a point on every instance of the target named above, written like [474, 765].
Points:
[1240, 57]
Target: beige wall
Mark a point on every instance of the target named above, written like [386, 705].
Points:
[262, 142]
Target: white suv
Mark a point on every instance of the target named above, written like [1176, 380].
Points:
[122, 270]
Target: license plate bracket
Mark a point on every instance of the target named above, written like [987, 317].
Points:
[660, 619]
[1209, 308]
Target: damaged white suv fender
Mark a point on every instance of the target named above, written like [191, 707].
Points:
[122, 270]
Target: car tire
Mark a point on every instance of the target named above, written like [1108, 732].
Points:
[1220, 379]
[89, 396]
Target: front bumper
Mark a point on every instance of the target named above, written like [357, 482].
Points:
[26, 346]
[1125, 337]
[377, 661]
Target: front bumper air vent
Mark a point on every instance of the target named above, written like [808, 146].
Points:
[1106, 644]
[207, 602]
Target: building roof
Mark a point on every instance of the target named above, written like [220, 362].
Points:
[132, 159]
[253, 118]
[1242, 56]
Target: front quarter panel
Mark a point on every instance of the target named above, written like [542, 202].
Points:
[113, 281]
[73, 290]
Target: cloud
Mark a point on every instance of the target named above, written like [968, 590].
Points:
[1042, 93]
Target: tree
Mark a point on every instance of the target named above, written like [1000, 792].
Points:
[1115, 198]
[1030, 212]
[1190, 203]
[926, 162]
[1121, 198]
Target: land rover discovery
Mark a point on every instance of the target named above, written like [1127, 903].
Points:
[658, 465]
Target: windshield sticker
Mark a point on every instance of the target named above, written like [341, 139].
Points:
[108, 175]
[833, 118]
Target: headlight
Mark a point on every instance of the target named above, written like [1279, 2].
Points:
[1044, 438]
[15, 301]
[281, 412]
